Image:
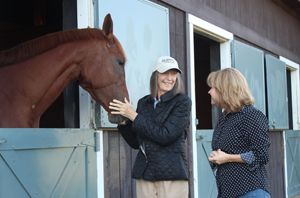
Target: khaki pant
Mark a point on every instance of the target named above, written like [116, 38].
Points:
[162, 189]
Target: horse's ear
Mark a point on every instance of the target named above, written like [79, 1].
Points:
[107, 26]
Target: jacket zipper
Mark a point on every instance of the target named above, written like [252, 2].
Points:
[143, 151]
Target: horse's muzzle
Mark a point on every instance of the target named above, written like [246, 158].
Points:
[116, 119]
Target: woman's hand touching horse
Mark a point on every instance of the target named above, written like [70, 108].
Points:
[123, 108]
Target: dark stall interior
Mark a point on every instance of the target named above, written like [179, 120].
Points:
[21, 21]
[207, 59]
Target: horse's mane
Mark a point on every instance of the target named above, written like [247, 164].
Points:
[39, 45]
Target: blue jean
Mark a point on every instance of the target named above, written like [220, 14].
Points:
[258, 193]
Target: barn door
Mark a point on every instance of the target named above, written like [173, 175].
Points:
[47, 163]
[292, 139]
[206, 185]
[250, 61]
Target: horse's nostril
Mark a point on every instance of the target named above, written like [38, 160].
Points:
[116, 119]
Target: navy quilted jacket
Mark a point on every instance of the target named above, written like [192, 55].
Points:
[160, 135]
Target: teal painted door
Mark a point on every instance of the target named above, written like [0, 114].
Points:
[250, 62]
[292, 139]
[277, 93]
[206, 180]
[40, 163]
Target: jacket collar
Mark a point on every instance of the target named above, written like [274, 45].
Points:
[165, 97]
[243, 109]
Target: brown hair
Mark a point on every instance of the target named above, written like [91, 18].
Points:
[232, 87]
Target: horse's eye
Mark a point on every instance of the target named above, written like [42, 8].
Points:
[121, 62]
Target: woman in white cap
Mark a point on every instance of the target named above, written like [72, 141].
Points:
[158, 128]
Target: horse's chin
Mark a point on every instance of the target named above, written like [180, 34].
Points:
[116, 119]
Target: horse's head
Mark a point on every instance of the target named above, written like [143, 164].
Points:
[104, 76]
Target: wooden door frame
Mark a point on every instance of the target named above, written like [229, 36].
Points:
[224, 38]
[87, 17]
[294, 69]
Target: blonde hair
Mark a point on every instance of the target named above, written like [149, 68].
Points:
[232, 87]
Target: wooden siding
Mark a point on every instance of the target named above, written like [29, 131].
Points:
[118, 161]
[275, 166]
[178, 38]
[178, 50]
[263, 23]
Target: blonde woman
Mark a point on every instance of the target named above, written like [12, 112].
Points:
[240, 141]
[158, 128]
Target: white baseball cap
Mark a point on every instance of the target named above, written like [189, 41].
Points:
[165, 63]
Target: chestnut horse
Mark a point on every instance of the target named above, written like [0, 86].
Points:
[33, 74]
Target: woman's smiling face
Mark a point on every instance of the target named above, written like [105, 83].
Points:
[166, 81]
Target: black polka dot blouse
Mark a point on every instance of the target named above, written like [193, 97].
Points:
[245, 133]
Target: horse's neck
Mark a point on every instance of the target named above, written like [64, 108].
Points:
[33, 85]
